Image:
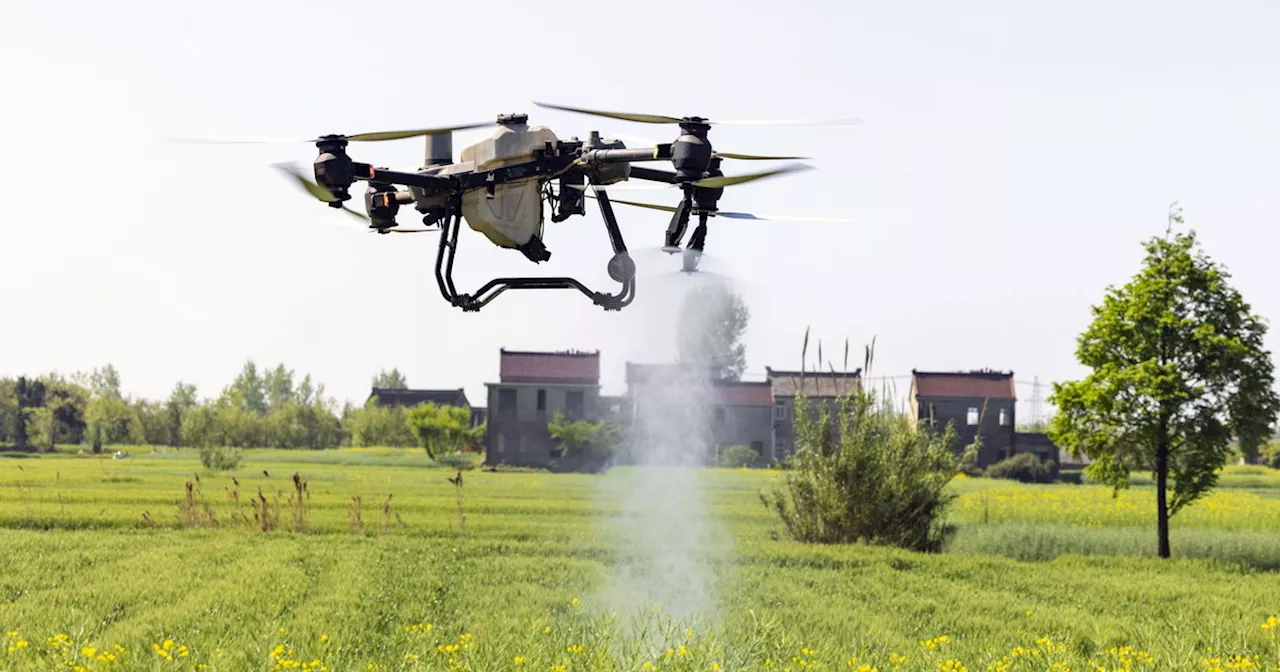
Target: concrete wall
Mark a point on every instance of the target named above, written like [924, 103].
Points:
[518, 434]
[998, 440]
[744, 425]
[783, 417]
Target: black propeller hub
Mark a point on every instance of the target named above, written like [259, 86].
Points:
[380, 202]
[691, 152]
[333, 168]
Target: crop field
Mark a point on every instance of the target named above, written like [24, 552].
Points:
[380, 563]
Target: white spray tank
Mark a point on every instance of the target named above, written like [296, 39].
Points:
[512, 217]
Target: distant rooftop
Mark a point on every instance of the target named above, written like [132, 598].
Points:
[402, 397]
[732, 393]
[814, 384]
[981, 384]
[564, 366]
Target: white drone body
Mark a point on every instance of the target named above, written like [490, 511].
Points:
[512, 214]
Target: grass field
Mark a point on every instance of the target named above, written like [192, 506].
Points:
[552, 571]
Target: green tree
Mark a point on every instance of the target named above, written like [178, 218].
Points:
[1178, 369]
[111, 420]
[153, 417]
[709, 333]
[440, 429]
[584, 446]
[277, 384]
[55, 409]
[181, 400]
[375, 425]
[105, 382]
[247, 391]
[9, 414]
[390, 380]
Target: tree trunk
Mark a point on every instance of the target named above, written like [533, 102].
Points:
[1162, 503]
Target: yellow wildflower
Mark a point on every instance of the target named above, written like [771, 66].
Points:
[324, 639]
[1271, 623]
[88, 652]
[518, 660]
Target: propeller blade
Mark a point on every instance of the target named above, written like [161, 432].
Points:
[736, 215]
[729, 180]
[638, 204]
[847, 121]
[758, 157]
[321, 193]
[376, 136]
[316, 190]
[625, 116]
[783, 218]
[397, 135]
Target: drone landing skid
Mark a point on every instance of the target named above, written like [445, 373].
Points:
[621, 268]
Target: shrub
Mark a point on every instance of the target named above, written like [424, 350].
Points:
[1025, 468]
[457, 461]
[737, 457]
[1271, 455]
[880, 479]
[220, 458]
[584, 446]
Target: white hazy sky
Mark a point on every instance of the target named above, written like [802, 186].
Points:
[1014, 156]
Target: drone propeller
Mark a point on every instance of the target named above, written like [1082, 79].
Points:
[733, 215]
[663, 119]
[323, 194]
[376, 136]
[729, 180]
[647, 142]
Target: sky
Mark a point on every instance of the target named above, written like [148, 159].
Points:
[1013, 158]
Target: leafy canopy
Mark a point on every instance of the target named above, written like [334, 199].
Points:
[712, 322]
[440, 429]
[1179, 369]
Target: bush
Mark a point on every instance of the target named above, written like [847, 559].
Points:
[457, 461]
[1271, 455]
[1024, 468]
[220, 458]
[737, 457]
[880, 479]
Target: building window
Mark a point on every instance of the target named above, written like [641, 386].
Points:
[1004, 417]
[780, 411]
[779, 448]
[506, 404]
[758, 446]
[542, 400]
[973, 416]
[573, 404]
[502, 443]
[719, 417]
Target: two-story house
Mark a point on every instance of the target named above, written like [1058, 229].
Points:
[532, 387]
[980, 403]
[820, 388]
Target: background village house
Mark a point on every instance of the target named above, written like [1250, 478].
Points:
[531, 387]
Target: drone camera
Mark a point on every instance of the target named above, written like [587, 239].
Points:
[382, 204]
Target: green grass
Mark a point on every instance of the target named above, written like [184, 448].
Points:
[79, 560]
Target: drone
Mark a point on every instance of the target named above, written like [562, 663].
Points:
[503, 185]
